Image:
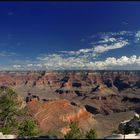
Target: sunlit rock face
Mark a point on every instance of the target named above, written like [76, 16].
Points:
[57, 114]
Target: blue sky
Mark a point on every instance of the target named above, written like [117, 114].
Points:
[69, 35]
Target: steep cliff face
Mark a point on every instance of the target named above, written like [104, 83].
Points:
[57, 114]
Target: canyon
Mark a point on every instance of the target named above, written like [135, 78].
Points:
[91, 97]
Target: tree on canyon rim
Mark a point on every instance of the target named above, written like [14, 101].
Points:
[9, 108]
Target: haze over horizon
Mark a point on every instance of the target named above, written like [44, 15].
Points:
[69, 35]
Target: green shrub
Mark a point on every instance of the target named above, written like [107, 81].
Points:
[6, 130]
[74, 133]
[28, 128]
[91, 134]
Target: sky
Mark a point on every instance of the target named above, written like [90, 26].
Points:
[70, 35]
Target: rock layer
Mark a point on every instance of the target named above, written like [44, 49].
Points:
[99, 91]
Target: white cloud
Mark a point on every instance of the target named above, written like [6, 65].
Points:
[124, 62]
[86, 50]
[58, 62]
[86, 58]
[120, 33]
[107, 39]
[104, 48]
[29, 65]
[97, 49]
[17, 66]
[38, 65]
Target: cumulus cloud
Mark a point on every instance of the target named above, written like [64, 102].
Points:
[57, 62]
[123, 62]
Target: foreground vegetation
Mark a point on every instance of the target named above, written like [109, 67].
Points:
[14, 119]
[11, 115]
[75, 133]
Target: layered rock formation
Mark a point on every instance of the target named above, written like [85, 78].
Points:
[99, 91]
[57, 114]
[99, 81]
[67, 96]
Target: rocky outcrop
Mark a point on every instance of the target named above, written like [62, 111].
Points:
[8, 136]
[56, 115]
[130, 126]
[128, 129]
[121, 136]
